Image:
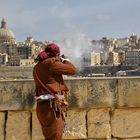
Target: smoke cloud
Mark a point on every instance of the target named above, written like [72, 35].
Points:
[77, 47]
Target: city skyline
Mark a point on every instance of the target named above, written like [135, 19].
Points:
[52, 19]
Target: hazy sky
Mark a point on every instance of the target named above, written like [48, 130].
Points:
[49, 19]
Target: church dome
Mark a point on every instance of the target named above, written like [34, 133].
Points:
[6, 35]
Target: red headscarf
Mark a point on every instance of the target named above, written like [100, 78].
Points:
[51, 50]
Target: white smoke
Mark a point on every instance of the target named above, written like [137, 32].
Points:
[78, 47]
[75, 46]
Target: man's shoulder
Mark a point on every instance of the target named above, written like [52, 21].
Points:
[50, 60]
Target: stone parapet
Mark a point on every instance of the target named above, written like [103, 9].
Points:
[16, 95]
[100, 108]
[98, 123]
[2, 125]
[129, 92]
[125, 123]
[18, 125]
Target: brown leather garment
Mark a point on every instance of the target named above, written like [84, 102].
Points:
[51, 121]
[50, 73]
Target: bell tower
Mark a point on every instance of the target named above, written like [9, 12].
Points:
[3, 23]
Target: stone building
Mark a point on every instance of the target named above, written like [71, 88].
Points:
[15, 51]
[132, 58]
[113, 58]
[3, 58]
[95, 59]
[6, 35]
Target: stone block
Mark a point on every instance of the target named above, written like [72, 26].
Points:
[98, 123]
[17, 95]
[18, 125]
[77, 92]
[36, 128]
[2, 125]
[132, 139]
[129, 92]
[125, 123]
[76, 125]
[101, 92]
[11, 72]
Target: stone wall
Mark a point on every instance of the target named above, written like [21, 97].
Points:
[100, 108]
[16, 72]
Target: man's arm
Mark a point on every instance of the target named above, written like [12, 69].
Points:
[66, 68]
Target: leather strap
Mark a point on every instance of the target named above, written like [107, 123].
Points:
[45, 87]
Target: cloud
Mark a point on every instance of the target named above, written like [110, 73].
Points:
[52, 17]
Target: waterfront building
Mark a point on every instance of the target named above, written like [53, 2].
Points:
[113, 58]
[132, 58]
[27, 62]
[95, 59]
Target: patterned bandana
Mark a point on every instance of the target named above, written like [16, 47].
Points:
[51, 50]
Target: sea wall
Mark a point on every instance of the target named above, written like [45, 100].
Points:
[16, 72]
[100, 108]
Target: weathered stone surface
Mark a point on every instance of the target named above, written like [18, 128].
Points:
[98, 123]
[16, 95]
[77, 92]
[106, 139]
[76, 125]
[126, 123]
[87, 92]
[18, 125]
[11, 72]
[132, 139]
[2, 125]
[36, 128]
[129, 92]
[101, 92]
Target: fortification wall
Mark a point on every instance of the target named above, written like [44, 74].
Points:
[16, 72]
[100, 108]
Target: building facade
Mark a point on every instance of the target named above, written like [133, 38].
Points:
[132, 58]
[6, 35]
